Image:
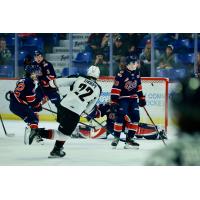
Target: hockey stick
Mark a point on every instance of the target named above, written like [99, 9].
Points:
[78, 122]
[155, 126]
[105, 128]
[7, 134]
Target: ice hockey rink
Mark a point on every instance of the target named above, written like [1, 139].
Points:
[79, 152]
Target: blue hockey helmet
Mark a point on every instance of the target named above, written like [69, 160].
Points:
[132, 59]
[37, 53]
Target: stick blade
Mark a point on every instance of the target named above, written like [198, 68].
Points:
[10, 134]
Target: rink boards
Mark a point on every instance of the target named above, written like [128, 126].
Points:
[154, 99]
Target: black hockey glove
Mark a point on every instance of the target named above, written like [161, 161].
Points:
[142, 101]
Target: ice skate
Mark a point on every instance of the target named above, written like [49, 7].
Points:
[131, 144]
[162, 135]
[39, 140]
[115, 143]
[31, 135]
[57, 153]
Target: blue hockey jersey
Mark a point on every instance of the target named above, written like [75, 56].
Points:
[47, 73]
[25, 92]
[127, 84]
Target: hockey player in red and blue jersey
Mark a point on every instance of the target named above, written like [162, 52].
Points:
[23, 101]
[126, 91]
[47, 74]
[144, 130]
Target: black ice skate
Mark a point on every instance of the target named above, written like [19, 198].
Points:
[131, 144]
[57, 153]
[162, 135]
[31, 135]
[39, 140]
[115, 143]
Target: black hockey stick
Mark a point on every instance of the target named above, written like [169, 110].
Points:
[78, 122]
[105, 128]
[155, 126]
[7, 134]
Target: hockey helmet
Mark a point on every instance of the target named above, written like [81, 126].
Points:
[37, 53]
[131, 59]
[186, 103]
[93, 71]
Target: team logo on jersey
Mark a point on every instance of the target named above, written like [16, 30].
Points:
[111, 116]
[45, 64]
[48, 72]
[130, 85]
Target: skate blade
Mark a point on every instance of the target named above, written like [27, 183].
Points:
[114, 147]
[55, 156]
[26, 139]
[131, 147]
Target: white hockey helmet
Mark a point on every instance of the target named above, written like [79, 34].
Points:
[93, 71]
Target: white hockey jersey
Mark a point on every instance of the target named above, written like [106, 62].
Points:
[82, 96]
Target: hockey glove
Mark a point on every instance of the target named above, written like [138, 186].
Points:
[142, 101]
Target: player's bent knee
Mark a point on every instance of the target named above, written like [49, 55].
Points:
[64, 130]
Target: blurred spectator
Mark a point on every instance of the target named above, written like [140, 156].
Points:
[5, 54]
[122, 63]
[185, 150]
[145, 59]
[131, 39]
[94, 43]
[131, 51]
[101, 63]
[145, 56]
[119, 49]
[166, 60]
[105, 47]
[197, 73]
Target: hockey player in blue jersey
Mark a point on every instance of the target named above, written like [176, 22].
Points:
[126, 91]
[23, 101]
[47, 74]
[100, 111]
[144, 130]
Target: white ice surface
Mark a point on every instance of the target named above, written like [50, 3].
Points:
[79, 152]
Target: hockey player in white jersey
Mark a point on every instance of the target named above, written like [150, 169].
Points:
[81, 98]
